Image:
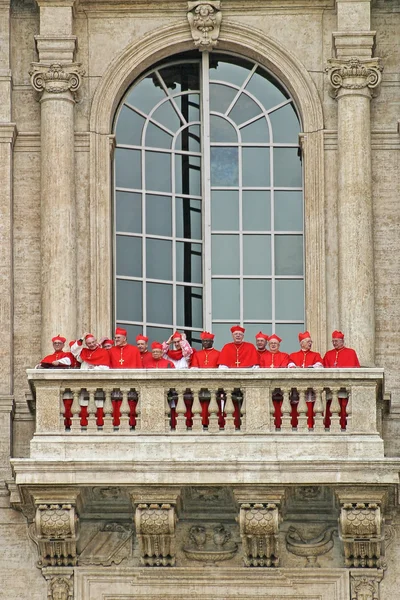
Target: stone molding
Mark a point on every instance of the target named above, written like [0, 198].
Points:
[8, 133]
[205, 20]
[354, 74]
[259, 525]
[155, 527]
[56, 78]
[353, 43]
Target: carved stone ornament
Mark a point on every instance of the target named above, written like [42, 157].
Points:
[56, 78]
[310, 548]
[364, 587]
[354, 74]
[210, 548]
[259, 525]
[155, 528]
[55, 531]
[205, 21]
[361, 530]
[111, 545]
[60, 588]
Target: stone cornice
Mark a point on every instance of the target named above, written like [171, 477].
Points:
[8, 133]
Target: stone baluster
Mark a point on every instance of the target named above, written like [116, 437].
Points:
[167, 412]
[229, 410]
[286, 410]
[349, 410]
[108, 411]
[138, 412]
[92, 412]
[213, 425]
[75, 410]
[181, 412]
[125, 411]
[302, 410]
[319, 410]
[335, 410]
[197, 413]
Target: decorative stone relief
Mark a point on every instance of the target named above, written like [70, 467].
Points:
[155, 528]
[361, 530]
[60, 588]
[112, 544]
[55, 531]
[354, 74]
[259, 523]
[310, 549]
[210, 547]
[364, 587]
[56, 78]
[205, 20]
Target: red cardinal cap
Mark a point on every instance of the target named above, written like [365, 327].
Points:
[59, 338]
[262, 335]
[120, 331]
[206, 335]
[177, 336]
[111, 342]
[274, 337]
[141, 338]
[237, 328]
[156, 346]
[338, 334]
[304, 335]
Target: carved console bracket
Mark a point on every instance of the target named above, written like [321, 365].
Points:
[259, 524]
[60, 583]
[205, 18]
[354, 74]
[365, 586]
[361, 531]
[155, 527]
[55, 532]
[56, 78]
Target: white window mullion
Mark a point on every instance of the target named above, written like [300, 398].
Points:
[206, 189]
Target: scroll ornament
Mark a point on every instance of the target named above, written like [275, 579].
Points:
[259, 525]
[155, 528]
[55, 531]
[354, 74]
[361, 531]
[205, 21]
[56, 78]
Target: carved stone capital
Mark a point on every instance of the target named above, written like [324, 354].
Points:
[55, 532]
[365, 586]
[354, 74]
[361, 531]
[56, 78]
[205, 18]
[155, 527]
[60, 584]
[259, 524]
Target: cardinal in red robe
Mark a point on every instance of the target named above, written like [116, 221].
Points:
[93, 356]
[124, 355]
[141, 343]
[207, 358]
[273, 358]
[339, 358]
[59, 359]
[155, 360]
[261, 344]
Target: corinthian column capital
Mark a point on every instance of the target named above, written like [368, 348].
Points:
[354, 74]
[56, 78]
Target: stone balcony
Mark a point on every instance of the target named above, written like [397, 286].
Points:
[125, 427]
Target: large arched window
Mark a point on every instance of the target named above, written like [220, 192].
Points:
[208, 202]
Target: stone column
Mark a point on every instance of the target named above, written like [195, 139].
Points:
[353, 81]
[56, 77]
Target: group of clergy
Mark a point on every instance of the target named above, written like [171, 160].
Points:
[176, 353]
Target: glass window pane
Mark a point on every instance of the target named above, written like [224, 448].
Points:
[225, 210]
[128, 212]
[131, 330]
[158, 171]
[187, 175]
[129, 300]
[256, 167]
[189, 105]
[189, 306]
[244, 109]
[182, 77]
[159, 259]
[253, 328]
[289, 334]
[221, 96]
[188, 139]
[188, 262]
[256, 132]
[188, 218]
[158, 215]
[256, 210]
[289, 300]
[288, 211]
[158, 334]
[226, 299]
[146, 94]
[224, 167]
[285, 125]
[157, 138]
[234, 70]
[167, 116]
[129, 256]
[263, 86]
[222, 332]
[287, 167]
[289, 255]
[257, 301]
[129, 127]
[225, 255]
[128, 172]
[256, 255]
[159, 303]
[222, 131]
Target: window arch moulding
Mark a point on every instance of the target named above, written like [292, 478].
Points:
[128, 66]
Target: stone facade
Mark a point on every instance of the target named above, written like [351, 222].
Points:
[94, 513]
